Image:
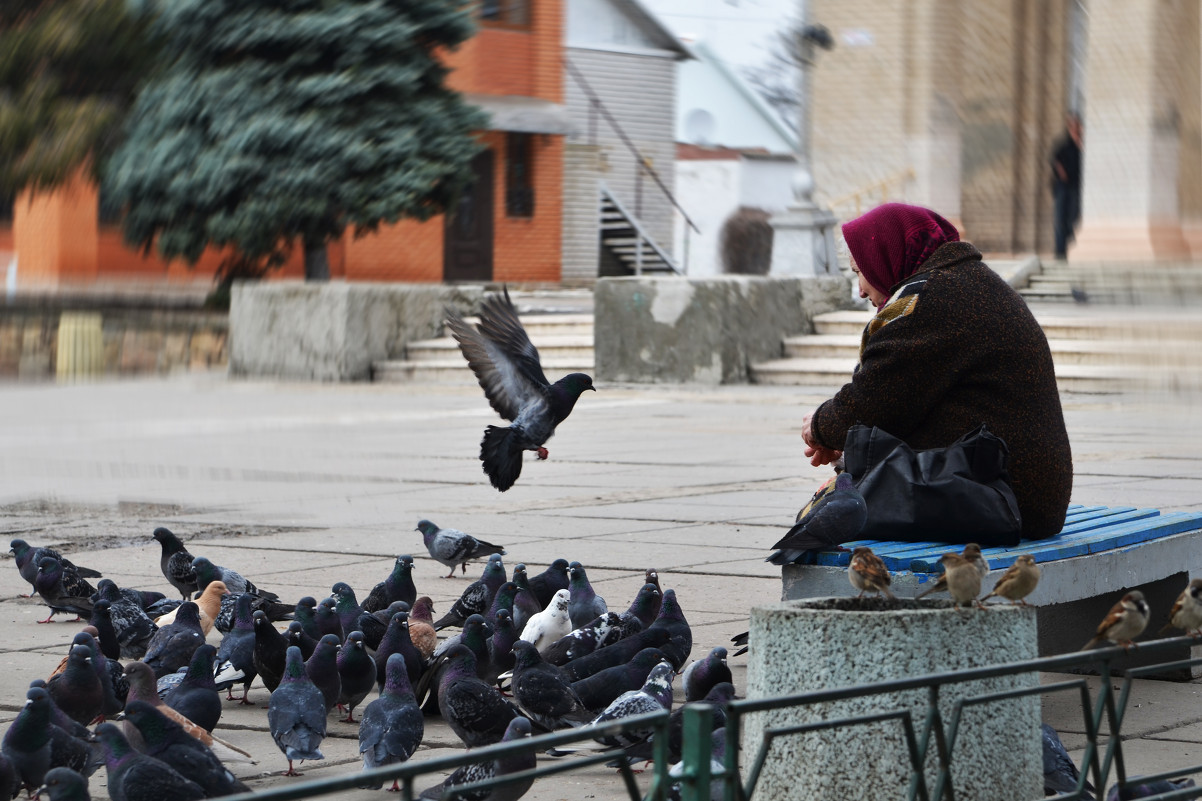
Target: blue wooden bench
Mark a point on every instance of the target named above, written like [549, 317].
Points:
[1102, 552]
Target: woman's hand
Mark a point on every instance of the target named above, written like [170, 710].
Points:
[817, 454]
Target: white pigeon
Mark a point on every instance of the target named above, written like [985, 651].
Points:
[550, 624]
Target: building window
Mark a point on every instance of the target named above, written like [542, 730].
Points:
[506, 12]
[519, 181]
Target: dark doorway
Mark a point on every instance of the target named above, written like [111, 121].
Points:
[467, 239]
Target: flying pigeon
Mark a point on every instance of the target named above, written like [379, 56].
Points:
[27, 558]
[475, 710]
[176, 562]
[296, 713]
[502, 766]
[397, 587]
[63, 589]
[61, 784]
[507, 366]
[550, 624]
[836, 516]
[166, 740]
[196, 697]
[654, 696]
[702, 675]
[585, 603]
[543, 693]
[172, 646]
[581, 641]
[357, 673]
[451, 547]
[136, 777]
[546, 583]
[478, 596]
[392, 726]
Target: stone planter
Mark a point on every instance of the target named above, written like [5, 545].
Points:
[825, 643]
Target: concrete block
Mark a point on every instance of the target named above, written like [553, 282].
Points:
[706, 331]
[821, 644]
[333, 331]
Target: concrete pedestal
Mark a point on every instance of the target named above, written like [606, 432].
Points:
[803, 242]
[802, 646]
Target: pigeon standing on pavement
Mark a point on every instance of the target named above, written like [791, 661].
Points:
[478, 597]
[1060, 774]
[63, 589]
[548, 582]
[235, 659]
[136, 777]
[475, 710]
[396, 640]
[27, 558]
[585, 603]
[601, 689]
[397, 587]
[327, 619]
[111, 673]
[269, 651]
[306, 613]
[581, 641]
[356, 673]
[654, 696]
[133, 626]
[525, 602]
[176, 562]
[451, 547]
[719, 697]
[77, 691]
[421, 626]
[322, 670]
[645, 606]
[837, 516]
[543, 693]
[507, 366]
[296, 713]
[166, 740]
[702, 675]
[502, 766]
[26, 744]
[206, 572]
[196, 697]
[550, 624]
[172, 646]
[680, 635]
[619, 653]
[61, 784]
[346, 605]
[392, 726]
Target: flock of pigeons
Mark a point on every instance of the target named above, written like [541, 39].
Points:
[532, 653]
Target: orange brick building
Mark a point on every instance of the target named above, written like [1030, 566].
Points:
[508, 227]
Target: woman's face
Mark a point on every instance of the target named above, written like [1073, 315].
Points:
[874, 297]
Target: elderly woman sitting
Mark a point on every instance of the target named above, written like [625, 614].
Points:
[952, 347]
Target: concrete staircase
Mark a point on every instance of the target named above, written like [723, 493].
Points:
[1159, 284]
[564, 342]
[1094, 349]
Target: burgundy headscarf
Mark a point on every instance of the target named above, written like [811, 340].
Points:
[892, 241]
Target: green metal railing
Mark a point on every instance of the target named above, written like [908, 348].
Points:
[1103, 751]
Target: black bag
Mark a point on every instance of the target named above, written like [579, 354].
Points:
[958, 494]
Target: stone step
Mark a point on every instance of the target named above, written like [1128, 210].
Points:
[842, 322]
[538, 325]
[456, 372]
[1058, 322]
[569, 347]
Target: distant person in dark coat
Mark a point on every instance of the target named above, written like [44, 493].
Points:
[952, 346]
[1066, 184]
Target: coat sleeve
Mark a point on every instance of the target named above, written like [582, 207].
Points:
[906, 368]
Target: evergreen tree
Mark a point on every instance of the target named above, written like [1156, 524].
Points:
[287, 120]
[68, 72]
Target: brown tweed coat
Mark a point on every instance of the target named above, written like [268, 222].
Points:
[957, 349]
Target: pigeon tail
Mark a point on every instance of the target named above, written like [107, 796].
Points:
[502, 456]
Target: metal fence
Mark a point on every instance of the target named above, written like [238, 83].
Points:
[1102, 717]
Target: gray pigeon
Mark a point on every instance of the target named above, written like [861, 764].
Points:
[172, 646]
[507, 366]
[480, 771]
[525, 603]
[63, 589]
[478, 597]
[235, 659]
[176, 562]
[654, 696]
[27, 557]
[397, 587]
[601, 689]
[356, 672]
[543, 693]
[322, 669]
[26, 744]
[206, 573]
[703, 674]
[835, 517]
[392, 726]
[166, 740]
[718, 698]
[717, 767]
[296, 713]
[580, 641]
[196, 696]
[452, 547]
[132, 625]
[136, 777]
[618, 653]
[545, 584]
[78, 691]
[680, 635]
[475, 710]
[63, 784]
[586, 604]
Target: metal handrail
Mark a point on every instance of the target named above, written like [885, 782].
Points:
[1106, 706]
[639, 232]
[642, 161]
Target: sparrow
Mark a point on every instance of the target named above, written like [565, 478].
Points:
[1126, 621]
[867, 573]
[1017, 582]
[960, 578]
[1186, 613]
[971, 554]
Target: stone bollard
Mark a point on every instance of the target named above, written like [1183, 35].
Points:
[826, 643]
